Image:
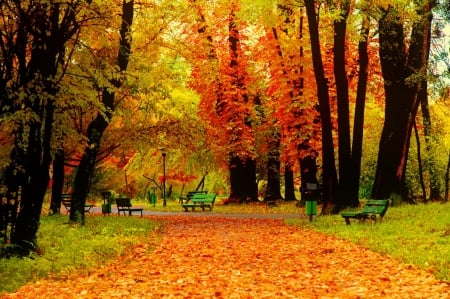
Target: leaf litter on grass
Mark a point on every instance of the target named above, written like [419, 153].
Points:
[214, 257]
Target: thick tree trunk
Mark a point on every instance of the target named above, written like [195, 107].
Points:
[273, 191]
[85, 169]
[96, 128]
[346, 180]
[289, 184]
[58, 182]
[394, 142]
[329, 174]
[358, 125]
[401, 101]
[34, 181]
[242, 180]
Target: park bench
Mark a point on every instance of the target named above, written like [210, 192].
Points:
[124, 205]
[188, 197]
[371, 210]
[200, 200]
[66, 200]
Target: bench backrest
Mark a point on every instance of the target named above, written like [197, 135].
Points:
[123, 202]
[376, 207]
[191, 193]
[200, 197]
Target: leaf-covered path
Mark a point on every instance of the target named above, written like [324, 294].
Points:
[211, 257]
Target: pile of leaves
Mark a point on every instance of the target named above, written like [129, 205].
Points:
[213, 257]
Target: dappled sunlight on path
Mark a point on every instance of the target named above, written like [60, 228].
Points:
[210, 257]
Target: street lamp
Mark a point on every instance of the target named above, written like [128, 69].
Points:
[163, 150]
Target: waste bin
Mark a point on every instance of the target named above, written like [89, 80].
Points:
[311, 208]
[106, 206]
[311, 193]
[151, 196]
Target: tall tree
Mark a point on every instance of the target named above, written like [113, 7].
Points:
[399, 66]
[422, 94]
[329, 174]
[343, 115]
[358, 124]
[242, 163]
[98, 125]
[220, 76]
[33, 45]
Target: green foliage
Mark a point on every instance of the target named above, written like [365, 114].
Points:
[414, 234]
[64, 248]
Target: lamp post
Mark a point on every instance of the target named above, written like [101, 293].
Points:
[164, 175]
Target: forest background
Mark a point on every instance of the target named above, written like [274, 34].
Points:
[260, 97]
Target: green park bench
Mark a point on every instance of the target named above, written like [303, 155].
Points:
[200, 200]
[124, 205]
[371, 210]
[188, 197]
[66, 200]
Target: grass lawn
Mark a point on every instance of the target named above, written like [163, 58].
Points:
[413, 234]
[65, 248]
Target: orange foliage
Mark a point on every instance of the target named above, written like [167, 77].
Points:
[214, 257]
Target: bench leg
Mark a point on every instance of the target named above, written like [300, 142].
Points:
[347, 221]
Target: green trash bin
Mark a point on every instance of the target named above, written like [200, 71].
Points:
[106, 206]
[311, 193]
[151, 196]
[311, 208]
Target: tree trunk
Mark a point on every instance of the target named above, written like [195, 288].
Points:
[96, 128]
[289, 186]
[273, 191]
[346, 180]
[58, 182]
[34, 181]
[401, 101]
[419, 163]
[329, 174]
[430, 163]
[358, 124]
[242, 180]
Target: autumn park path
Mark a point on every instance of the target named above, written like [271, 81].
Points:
[219, 257]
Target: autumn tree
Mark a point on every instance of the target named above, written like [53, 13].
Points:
[35, 47]
[221, 77]
[329, 174]
[400, 66]
[98, 125]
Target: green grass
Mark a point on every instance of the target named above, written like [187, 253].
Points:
[65, 248]
[413, 234]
